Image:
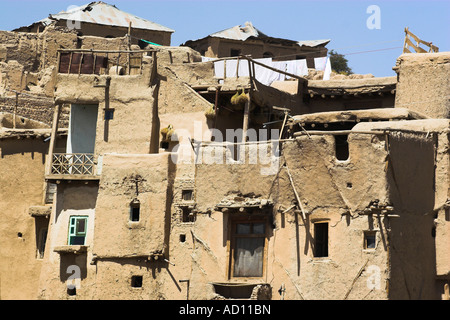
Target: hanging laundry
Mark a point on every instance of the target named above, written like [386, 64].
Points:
[323, 64]
[297, 67]
[327, 72]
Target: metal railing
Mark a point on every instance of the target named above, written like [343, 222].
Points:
[73, 164]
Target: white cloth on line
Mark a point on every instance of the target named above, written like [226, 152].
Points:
[327, 72]
[323, 64]
[240, 68]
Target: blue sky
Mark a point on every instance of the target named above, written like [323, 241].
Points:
[344, 22]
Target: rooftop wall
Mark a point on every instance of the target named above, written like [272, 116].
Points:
[424, 83]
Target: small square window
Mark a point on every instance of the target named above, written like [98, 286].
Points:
[187, 195]
[136, 281]
[235, 52]
[188, 215]
[72, 291]
[370, 240]
[109, 114]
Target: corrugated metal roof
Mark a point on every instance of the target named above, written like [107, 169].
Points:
[313, 43]
[239, 32]
[242, 33]
[102, 13]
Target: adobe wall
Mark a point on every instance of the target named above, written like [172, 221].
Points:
[424, 83]
[19, 264]
[418, 169]
[76, 198]
[216, 47]
[127, 95]
[337, 192]
[90, 29]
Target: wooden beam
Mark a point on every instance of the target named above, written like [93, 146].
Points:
[273, 69]
[56, 115]
[341, 132]
[129, 48]
[295, 193]
[246, 117]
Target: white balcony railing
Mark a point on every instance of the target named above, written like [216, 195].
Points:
[73, 164]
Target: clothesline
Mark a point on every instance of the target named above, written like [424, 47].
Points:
[240, 68]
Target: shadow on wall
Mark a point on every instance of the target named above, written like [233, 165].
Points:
[411, 171]
[411, 177]
[31, 146]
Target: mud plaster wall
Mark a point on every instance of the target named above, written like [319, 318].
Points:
[19, 268]
[424, 83]
[115, 234]
[28, 64]
[322, 185]
[411, 235]
[177, 102]
[222, 48]
[90, 29]
[72, 199]
[418, 187]
[349, 103]
[127, 95]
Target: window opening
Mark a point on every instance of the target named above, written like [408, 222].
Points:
[248, 244]
[188, 215]
[72, 291]
[77, 230]
[135, 210]
[369, 239]
[235, 53]
[50, 192]
[41, 243]
[341, 145]
[321, 239]
[109, 114]
[187, 195]
[136, 281]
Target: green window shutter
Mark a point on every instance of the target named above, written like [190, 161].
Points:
[77, 230]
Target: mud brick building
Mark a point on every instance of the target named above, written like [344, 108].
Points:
[149, 177]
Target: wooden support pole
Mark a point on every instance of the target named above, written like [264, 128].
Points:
[284, 123]
[297, 197]
[154, 67]
[15, 110]
[129, 48]
[81, 62]
[216, 106]
[224, 69]
[58, 61]
[70, 62]
[56, 115]
[246, 116]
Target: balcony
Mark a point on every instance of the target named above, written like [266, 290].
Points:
[101, 62]
[73, 166]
